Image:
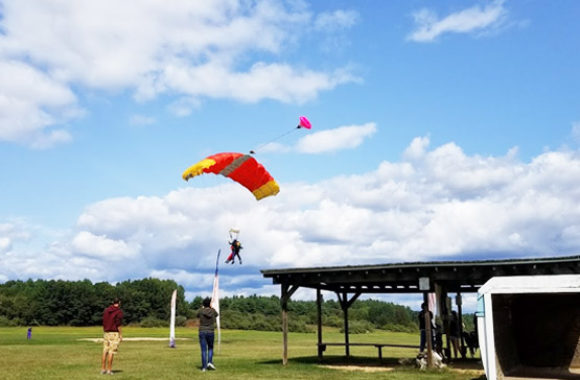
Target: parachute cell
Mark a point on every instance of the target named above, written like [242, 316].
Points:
[239, 167]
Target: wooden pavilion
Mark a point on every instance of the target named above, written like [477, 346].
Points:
[443, 277]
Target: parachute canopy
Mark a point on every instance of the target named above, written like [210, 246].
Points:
[304, 123]
[241, 168]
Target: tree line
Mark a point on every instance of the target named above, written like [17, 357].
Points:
[146, 302]
[81, 303]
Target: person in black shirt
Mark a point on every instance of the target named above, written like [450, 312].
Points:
[422, 325]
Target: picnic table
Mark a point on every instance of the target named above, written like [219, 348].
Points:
[379, 346]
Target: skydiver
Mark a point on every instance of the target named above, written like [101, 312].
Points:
[235, 246]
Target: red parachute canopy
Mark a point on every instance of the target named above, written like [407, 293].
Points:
[241, 168]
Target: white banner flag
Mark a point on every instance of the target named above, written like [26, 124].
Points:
[172, 321]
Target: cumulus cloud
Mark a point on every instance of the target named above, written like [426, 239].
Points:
[330, 140]
[11, 232]
[475, 19]
[191, 50]
[276, 81]
[31, 102]
[100, 246]
[435, 203]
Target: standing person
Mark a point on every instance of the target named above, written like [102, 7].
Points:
[235, 246]
[206, 316]
[422, 327]
[112, 320]
[29, 333]
[454, 334]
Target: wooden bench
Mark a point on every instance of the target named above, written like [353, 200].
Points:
[379, 346]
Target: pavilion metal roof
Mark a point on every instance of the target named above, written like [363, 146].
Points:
[455, 276]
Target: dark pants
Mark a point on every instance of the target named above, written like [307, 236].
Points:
[423, 342]
[206, 343]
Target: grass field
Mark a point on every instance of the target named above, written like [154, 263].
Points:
[66, 353]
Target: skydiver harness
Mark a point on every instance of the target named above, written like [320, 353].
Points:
[235, 246]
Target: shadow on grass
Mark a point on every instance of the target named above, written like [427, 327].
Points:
[373, 362]
[341, 360]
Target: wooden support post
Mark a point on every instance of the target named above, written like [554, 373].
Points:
[345, 303]
[458, 302]
[428, 331]
[319, 322]
[286, 294]
[346, 338]
[445, 312]
[284, 334]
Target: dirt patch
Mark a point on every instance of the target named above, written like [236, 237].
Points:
[472, 369]
[133, 339]
[358, 368]
[477, 372]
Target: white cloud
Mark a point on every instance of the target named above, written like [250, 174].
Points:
[186, 279]
[183, 106]
[576, 131]
[11, 232]
[275, 81]
[141, 120]
[191, 50]
[338, 19]
[435, 203]
[330, 140]
[417, 149]
[100, 246]
[30, 103]
[5, 244]
[474, 19]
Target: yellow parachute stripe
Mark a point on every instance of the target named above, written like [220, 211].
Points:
[267, 189]
[198, 168]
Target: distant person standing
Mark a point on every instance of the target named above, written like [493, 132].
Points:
[29, 333]
[454, 334]
[422, 327]
[112, 320]
[207, 316]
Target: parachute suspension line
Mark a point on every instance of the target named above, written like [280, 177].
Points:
[253, 151]
[303, 123]
[234, 233]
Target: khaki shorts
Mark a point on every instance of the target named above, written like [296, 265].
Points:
[111, 342]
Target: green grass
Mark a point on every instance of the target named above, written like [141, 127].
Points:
[59, 353]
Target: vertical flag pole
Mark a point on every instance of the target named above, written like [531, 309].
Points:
[215, 299]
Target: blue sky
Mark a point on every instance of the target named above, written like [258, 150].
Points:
[441, 131]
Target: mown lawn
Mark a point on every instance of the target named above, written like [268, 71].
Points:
[65, 353]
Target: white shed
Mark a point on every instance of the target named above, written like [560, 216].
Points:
[529, 327]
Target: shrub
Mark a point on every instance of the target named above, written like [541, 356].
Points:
[297, 324]
[153, 322]
[180, 320]
[400, 328]
[333, 321]
[5, 322]
[359, 327]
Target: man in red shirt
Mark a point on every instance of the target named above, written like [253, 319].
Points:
[112, 320]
